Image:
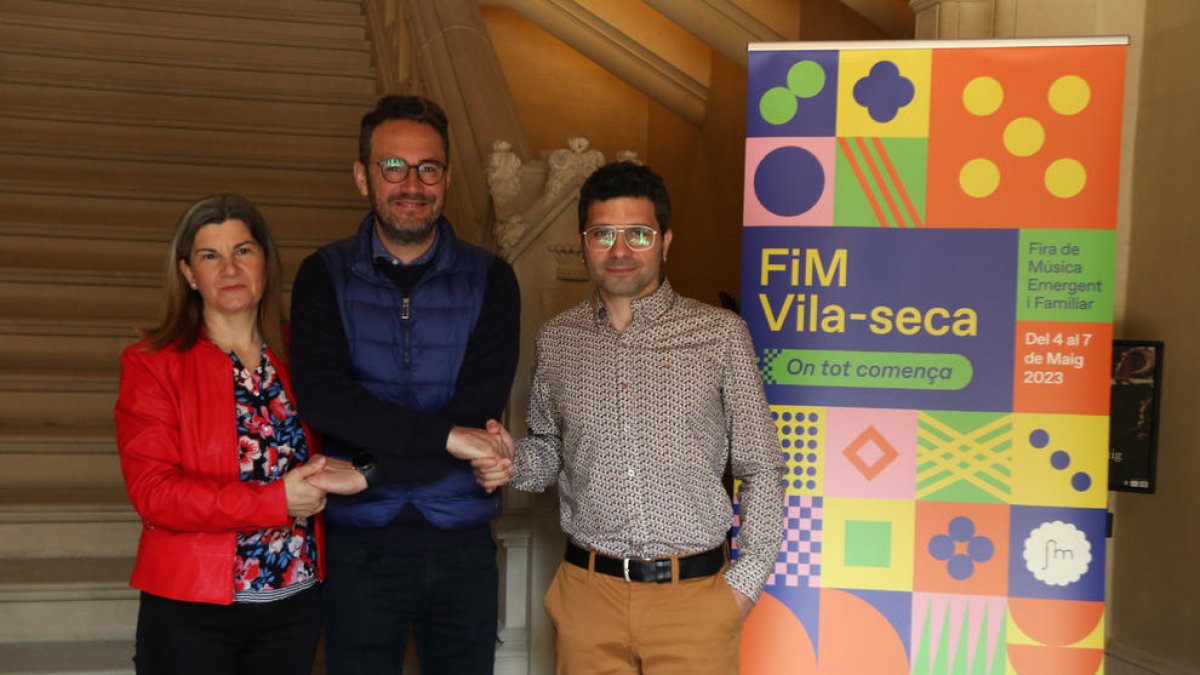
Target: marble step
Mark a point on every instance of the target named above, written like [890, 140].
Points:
[53, 599]
[67, 522]
[72, 210]
[243, 21]
[68, 457]
[73, 657]
[57, 399]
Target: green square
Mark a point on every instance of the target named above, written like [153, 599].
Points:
[868, 543]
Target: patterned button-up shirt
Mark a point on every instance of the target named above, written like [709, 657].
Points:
[636, 427]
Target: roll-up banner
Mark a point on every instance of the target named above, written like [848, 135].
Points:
[928, 261]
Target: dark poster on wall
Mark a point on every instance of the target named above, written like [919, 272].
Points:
[1133, 421]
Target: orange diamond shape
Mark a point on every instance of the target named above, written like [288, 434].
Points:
[887, 455]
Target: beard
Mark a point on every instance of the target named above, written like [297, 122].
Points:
[397, 228]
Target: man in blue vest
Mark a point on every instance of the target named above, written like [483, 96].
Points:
[404, 344]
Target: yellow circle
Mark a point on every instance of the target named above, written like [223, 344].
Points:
[1065, 178]
[979, 177]
[982, 96]
[1069, 94]
[1024, 136]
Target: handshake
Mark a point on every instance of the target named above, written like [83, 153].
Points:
[490, 452]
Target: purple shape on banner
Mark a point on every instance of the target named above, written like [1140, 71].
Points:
[895, 606]
[884, 92]
[789, 181]
[1039, 438]
[1060, 460]
[1081, 481]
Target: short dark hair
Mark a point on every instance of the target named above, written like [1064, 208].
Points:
[183, 309]
[625, 179]
[413, 108]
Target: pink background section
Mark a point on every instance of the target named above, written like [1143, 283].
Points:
[843, 479]
[753, 213]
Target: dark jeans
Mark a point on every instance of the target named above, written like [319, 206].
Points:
[196, 638]
[374, 595]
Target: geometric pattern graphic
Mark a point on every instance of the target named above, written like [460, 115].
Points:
[880, 182]
[799, 559]
[1056, 553]
[961, 548]
[789, 181]
[958, 634]
[1013, 142]
[872, 453]
[884, 93]
[964, 457]
[1060, 460]
[801, 435]
[1055, 636]
[928, 265]
[867, 544]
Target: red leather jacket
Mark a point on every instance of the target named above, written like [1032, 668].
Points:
[177, 436]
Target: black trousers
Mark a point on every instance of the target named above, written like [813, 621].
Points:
[377, 596]
[196, 638]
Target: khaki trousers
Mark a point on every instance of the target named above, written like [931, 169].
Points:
[607, 626]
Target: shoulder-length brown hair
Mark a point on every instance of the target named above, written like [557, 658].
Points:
[183, 308]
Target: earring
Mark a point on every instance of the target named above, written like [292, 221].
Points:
[194, 286]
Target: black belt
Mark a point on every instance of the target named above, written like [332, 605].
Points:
[703, 564]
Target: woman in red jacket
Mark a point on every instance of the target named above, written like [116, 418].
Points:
[219, 466]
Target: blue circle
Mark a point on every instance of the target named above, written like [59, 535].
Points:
[787, 456]
[812, 485]
[1081, 481]
[960, 567]
[812, 445]
[785, 429]
[813, 431]
[1060, 460]
[789, 181]
[812, 417]
[812, 470]
[980, 549]
[941, 547]
[812, 456]
[961, 529]
[1038, 438]
[797, 484]
[787, 443]
[799, 470]
[787, 417]
[774, 415]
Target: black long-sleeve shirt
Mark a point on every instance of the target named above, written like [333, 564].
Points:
[409, 445]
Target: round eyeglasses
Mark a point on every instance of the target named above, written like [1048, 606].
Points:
[395, 170]
[638, 238]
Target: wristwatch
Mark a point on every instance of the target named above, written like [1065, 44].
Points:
[364, 463]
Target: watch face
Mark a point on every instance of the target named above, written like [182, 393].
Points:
[364, 461]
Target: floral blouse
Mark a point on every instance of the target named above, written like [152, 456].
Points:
[277, 562]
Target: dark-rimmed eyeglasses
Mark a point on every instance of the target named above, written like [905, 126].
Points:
[638, 238]
[395, 170]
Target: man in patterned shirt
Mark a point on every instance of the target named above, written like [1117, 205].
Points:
[640, 398]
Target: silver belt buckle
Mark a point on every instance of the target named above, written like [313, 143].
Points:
[625, 568]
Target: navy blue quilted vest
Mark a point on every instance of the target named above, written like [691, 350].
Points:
[409, 351]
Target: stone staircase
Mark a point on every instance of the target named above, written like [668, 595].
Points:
[114, 115]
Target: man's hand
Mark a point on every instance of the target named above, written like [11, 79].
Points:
[338, 477]
[745, 604]
[466, 443]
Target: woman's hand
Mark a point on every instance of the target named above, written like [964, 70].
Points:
[339, 477]
[303, 498]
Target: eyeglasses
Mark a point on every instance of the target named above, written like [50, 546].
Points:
[638, 238]
[395, 170]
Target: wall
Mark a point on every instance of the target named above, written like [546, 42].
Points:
[1156, 547]
[560, 93]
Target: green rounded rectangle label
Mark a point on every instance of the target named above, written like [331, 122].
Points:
[865, 370]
